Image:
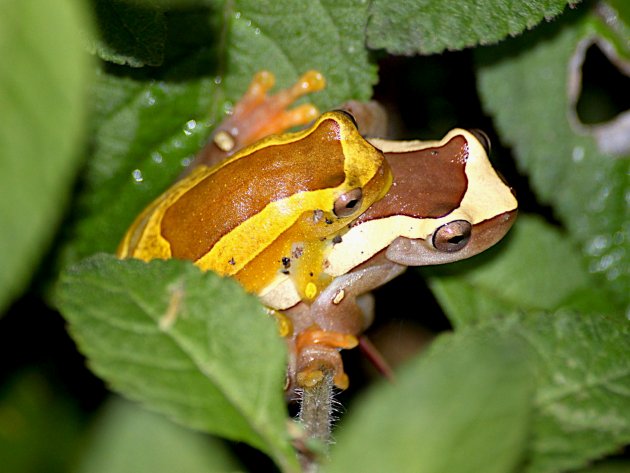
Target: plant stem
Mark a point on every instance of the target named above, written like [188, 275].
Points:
[316, 417]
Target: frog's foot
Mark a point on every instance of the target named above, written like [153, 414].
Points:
[257, 114]
[318, 353]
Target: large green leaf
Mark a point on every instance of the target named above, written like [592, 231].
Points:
[42, 90]
[524, 84]
[291, 37]
[128, 439]
[582, 406]
[464, 407]
[188, 344]
[431, 26]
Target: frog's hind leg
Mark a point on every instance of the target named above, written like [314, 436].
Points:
[258, 114]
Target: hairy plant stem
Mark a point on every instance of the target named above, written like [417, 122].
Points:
[316, 417]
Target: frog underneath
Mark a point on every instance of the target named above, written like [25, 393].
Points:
[312, 221]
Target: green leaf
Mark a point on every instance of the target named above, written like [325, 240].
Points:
[622, 8]
[130, 34]
[290, 38]
[127, 439]
[431, 26]
[535, 268]
[612, 23]
[171, 4]
[580, 411]
[587, 187]
[42, 91]
[463, 407]
[612, 466]
[146, 133]
[188, 344]
[582, 406]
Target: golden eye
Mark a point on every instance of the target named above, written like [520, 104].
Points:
[348, 203]
[452, 236]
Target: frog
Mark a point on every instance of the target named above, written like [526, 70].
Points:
[311, 221]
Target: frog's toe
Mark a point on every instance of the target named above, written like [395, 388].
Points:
[318, 353]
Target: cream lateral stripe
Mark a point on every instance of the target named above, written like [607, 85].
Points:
[486, 197]
[280, 293]
[390, 146]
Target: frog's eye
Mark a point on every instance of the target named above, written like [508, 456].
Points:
[483, 138]
[452, 236]
[348, 203]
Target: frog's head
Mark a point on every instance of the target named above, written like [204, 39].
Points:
[446, 203]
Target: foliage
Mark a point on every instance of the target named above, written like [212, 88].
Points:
[535, 376]
[42, 91]
[165, 334]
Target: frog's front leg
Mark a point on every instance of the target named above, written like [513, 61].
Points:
[333, 322]
[257, 115]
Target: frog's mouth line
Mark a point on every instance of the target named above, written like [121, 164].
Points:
[420, 252]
